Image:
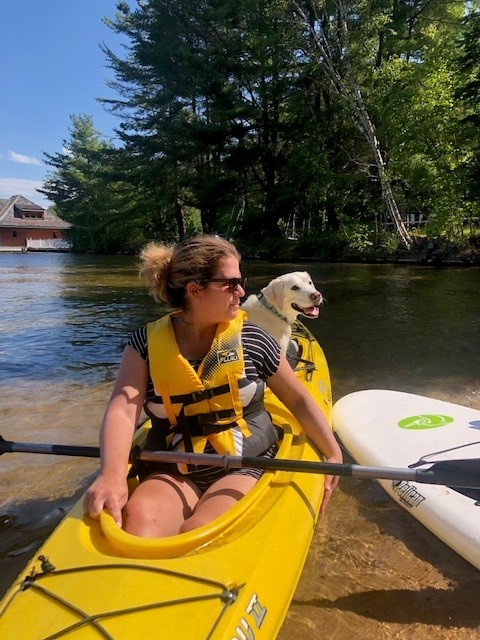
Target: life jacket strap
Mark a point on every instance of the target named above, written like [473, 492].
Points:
[198, 396]
[205, 394]
[206, 424]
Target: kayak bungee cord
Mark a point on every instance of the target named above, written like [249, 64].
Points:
[227, 595]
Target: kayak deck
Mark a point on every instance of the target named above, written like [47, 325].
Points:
[229, 579]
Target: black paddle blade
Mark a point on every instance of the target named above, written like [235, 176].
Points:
[5, 446]
[457, 473]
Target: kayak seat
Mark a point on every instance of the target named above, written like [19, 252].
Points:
[294, 357]
[294, 353]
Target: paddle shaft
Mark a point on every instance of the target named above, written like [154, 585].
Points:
[445, 473]
[49, 449]
[454, 473]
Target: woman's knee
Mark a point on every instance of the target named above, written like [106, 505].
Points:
[140, 519]
[158, 507]
[194, 522]
[217, 500]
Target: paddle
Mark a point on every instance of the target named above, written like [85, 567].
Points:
[452, 473]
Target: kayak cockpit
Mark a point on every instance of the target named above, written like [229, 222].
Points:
[128, 545]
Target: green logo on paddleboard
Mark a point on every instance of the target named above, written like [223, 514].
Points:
[424, 421]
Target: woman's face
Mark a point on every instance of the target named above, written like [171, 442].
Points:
[220, 300]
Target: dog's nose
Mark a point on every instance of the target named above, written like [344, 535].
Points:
[317, 297]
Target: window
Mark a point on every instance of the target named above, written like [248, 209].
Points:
[30, 214]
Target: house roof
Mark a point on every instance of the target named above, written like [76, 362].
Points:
[11, 208]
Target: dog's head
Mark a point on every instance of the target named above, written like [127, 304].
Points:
[294, 293]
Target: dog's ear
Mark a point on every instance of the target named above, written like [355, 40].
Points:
[308, 277]
[274, 292]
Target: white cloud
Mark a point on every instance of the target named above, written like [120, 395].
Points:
[23, 187]
[22, 159]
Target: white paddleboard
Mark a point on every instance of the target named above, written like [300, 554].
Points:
[396, 429]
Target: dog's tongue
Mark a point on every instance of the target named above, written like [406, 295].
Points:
[311, 311]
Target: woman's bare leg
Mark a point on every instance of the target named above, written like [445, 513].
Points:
[218, 498]
[159, 506]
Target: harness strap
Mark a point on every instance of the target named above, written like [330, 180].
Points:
[198, 396]
[163, 390]
[204, 394]
[202, 425]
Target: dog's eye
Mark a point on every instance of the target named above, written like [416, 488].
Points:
[295, 287]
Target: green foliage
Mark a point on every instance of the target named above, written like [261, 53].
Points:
[229, 123]
[359, 237]
[325, 245]
[416, 110]
[468, 92]
[109, 214]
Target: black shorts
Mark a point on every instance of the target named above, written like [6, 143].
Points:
[203, 477]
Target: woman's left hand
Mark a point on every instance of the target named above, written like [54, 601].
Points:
[288, 388]
[331, 483]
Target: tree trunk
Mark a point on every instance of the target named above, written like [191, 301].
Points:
[179, 218]
[347, 87]
[367, 128]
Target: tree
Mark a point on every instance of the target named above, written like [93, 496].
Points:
[468, 92]
[73, 182]
[208, 90]
[174, 104]
[329, 35]
[251, 116]
[106, 211]
[416, 113]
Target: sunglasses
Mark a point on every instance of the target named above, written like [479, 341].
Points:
[231, 283]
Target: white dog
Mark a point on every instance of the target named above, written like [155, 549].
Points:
[278, 304]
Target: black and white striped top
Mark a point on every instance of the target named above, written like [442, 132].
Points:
[261, 353]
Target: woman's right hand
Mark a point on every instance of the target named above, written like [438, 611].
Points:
[108, 491]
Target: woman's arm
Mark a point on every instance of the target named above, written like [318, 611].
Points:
[121, 417]
[286, 386]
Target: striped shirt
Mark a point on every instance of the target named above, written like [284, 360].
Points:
[261, 353]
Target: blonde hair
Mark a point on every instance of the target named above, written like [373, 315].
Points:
[168, 268]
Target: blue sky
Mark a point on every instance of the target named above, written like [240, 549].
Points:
[51, 67]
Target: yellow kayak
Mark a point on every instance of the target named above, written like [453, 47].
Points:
[232, 579]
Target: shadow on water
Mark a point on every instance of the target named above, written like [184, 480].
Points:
[455, 606]
[448, 608]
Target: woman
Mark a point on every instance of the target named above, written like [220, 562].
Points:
[199, 372]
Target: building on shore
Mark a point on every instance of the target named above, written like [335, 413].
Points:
[25, 226]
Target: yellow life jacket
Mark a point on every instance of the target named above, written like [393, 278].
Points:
[213, 404]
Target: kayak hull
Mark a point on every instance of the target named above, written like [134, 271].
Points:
[233, 578]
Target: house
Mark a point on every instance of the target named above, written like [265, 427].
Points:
[27, 226]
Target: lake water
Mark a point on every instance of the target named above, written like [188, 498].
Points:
[372, 571]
